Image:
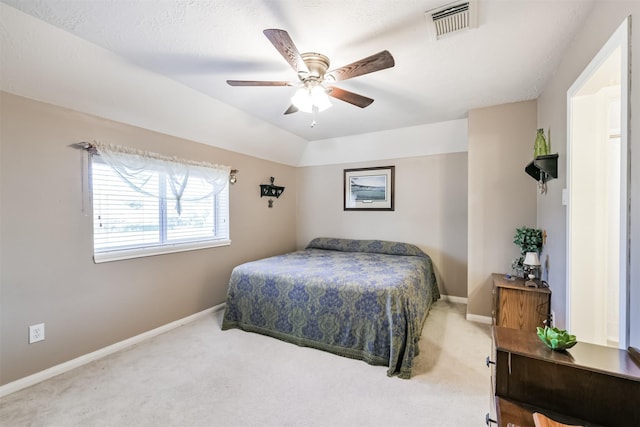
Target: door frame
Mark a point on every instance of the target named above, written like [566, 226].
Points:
[620, 38]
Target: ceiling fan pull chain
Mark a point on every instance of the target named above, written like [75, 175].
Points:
[314, 110]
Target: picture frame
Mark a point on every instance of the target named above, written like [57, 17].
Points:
[369, 189]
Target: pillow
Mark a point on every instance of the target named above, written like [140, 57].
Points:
[371, 246]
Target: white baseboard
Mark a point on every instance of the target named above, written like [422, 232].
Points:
[470, 317]
[451, 298]
[25, 382]
[480, 319]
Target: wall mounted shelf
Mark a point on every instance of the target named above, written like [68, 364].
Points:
[543, 168]
[271, 190]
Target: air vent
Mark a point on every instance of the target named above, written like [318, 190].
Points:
[451, 18]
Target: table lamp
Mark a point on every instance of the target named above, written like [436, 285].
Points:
[532, 261]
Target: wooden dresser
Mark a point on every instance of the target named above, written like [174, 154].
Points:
[588, 385]
[518, 306]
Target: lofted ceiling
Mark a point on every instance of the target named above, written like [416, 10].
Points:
[508, 57]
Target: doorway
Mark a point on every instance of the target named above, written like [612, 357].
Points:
[597, 182]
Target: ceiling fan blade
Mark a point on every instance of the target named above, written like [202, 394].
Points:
[292, 109]
[256, 83]
[282, 42]
[377, 62]
[350, 97]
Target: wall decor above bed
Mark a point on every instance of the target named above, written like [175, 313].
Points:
[369, 189]
[271, 190]
[363, 299]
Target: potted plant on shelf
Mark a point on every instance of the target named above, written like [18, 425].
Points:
[528, 240]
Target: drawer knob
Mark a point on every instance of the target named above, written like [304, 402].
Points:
[487, 420]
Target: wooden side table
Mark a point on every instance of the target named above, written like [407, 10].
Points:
[517, 306]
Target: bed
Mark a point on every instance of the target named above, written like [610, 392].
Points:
[364, 299]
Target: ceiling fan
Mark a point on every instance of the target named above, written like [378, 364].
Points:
[314, 79]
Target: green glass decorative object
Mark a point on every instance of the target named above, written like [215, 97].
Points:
[556, 339]
[540, 147]
[549, 142]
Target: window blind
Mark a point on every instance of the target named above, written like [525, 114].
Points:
[130, 223]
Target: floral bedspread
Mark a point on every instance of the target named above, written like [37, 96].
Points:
[365, 299]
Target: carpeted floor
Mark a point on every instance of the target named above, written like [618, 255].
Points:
[198, 375]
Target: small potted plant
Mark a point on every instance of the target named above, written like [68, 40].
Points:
[528, 240]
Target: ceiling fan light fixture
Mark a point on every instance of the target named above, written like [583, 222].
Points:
[307, 99]
[311, 68]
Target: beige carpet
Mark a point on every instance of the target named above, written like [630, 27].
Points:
[198, 375]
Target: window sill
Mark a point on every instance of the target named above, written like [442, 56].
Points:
[101, 257]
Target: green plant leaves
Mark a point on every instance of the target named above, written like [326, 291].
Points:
[528, 239]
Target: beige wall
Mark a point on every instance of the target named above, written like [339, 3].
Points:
[430, 211]
[502, 197]
[46, 268]
[605, 18]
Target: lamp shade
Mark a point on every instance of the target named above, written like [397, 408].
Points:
[532, 259]
[306, 98]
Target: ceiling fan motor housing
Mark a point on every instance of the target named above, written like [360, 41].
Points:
[318, 65]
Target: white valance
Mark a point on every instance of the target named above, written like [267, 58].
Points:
[136, 168]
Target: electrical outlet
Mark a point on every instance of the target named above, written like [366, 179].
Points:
[36, 333]
[553, 318]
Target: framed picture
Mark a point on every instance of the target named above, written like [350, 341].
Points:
[369, 189]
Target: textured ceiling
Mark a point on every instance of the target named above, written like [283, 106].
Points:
[507, 58]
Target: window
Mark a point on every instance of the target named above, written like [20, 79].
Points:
[146, 206]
